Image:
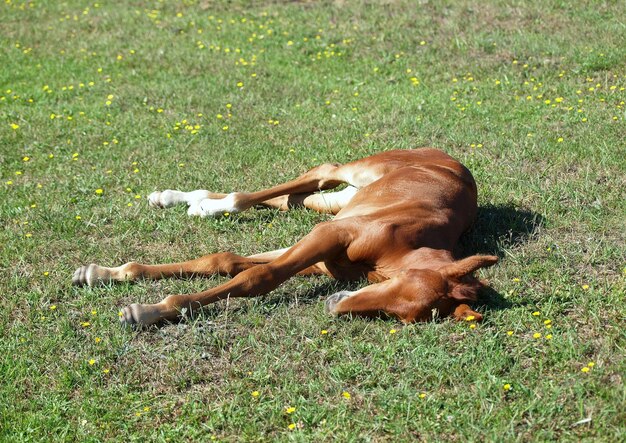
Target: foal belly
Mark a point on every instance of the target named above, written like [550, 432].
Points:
[347, 270]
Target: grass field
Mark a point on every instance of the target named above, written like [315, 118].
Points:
[102, 104]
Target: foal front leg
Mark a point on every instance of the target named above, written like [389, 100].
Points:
[402, 297]
[325, 242]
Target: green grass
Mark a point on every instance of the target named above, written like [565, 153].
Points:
[335, 75]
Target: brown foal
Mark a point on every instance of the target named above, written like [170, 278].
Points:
[396, 224]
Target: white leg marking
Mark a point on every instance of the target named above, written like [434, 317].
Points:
[168, 198]
[93, 274]
[214, 207]
[343, 197]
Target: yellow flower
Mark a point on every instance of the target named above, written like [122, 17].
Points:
[585, 287]
[536, 335]
[549, 337]
[506, 387]
[25, 159]
[92, 362]
[290, 410]
[106, 370]
[536, 313]
[585, 369]
[99, 191]
[559, 140]
[323, 332]
[53, 307]
[240, 84]
[422, 395]
[591, 364]
[509, 333]
[84, 324]
[473, 326]
[346, 395]
[292, 426]
[470, 318]
[15, 126]
[392, 331]
[97, 339]
[547, 322]
[255, 394]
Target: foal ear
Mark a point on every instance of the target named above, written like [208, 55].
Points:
[468, 265]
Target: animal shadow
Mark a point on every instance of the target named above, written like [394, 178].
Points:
[498, 228]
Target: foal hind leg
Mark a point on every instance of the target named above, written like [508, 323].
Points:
[205, 203]
[170, 197]
[323, 202]
[326, 176]
[358, 173]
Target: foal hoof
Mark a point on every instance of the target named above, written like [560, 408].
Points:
[154, 200]
[90, 275]
[165, 199]
[214, 207]
[333, 299]
[138, 316]
[130, 316]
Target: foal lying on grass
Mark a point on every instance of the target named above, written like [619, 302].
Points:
[396, 223]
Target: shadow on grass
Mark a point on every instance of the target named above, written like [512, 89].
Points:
[498, 228]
